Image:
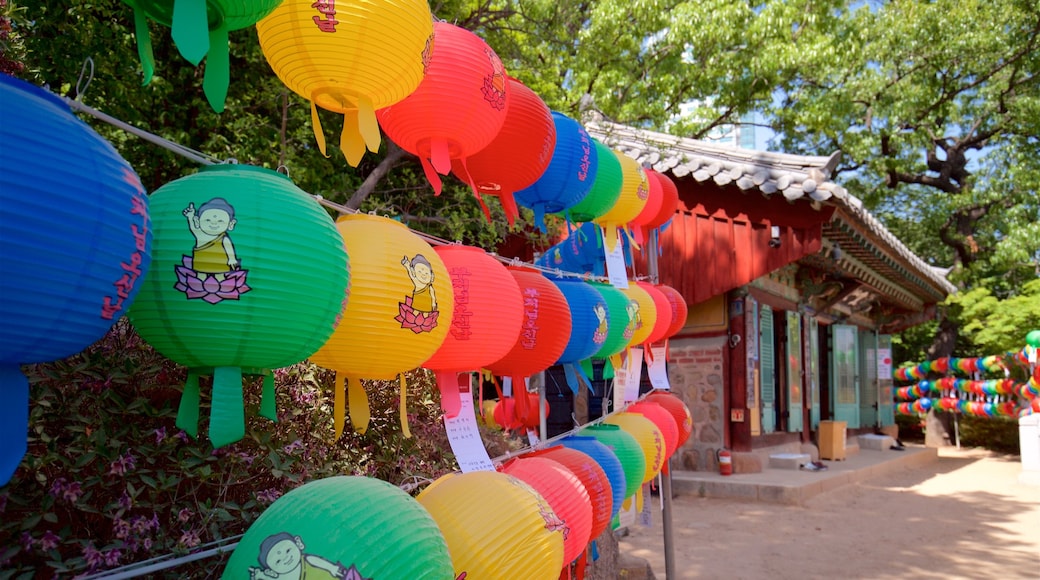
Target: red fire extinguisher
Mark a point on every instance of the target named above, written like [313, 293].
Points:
[725, 462]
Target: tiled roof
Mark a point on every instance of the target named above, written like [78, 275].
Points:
[793, 176]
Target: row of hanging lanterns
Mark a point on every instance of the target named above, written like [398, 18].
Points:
[534, 517]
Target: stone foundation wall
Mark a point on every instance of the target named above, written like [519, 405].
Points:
[697, 374]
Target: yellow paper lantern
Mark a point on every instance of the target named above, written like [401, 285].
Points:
[649, 437]
[350, 58]
[635, 190]
[400, 309]
[642, 314]
[496, 526]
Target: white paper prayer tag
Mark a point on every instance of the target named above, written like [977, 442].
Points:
[617, 274]
[532, 437]
[633, 373]
[507, 386]
[620, 381]
[658, 369]
[464, 437]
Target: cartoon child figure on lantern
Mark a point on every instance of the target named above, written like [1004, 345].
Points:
[635, 321]
[213, 271]
[601, 331]
[282, 558]
[418, 312]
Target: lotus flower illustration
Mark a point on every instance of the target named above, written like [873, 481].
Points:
[207, 286]
[415, 320]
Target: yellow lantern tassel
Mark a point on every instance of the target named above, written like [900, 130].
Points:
[358, 401]
[639, 500]
[338, 411]
[615, 361]
[610, 237]
[633, 240]
[350, 140]
[319, 133]
[367, 124]
[404, 408]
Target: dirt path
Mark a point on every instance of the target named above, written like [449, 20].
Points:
[963, 517]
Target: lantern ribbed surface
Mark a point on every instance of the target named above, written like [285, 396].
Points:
[569, 176]
[664, 421]
[592, 476]
[647, 435]
[399, 313]
[654, 199]
[606, 187]
[587, 331]
[76, 238]
[566, 495]
[545, 327]
[607, 460]
[366, 526]
[626, 449]
[616, 323]
[519, 153]
[279, 302]
[669, 200]
[679, 309]
[663, 310]
[642, 314]
[496, 526]
[635, 189]
[680, 412]
[372, 57]
[457, 109]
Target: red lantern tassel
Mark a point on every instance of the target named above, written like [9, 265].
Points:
[448, 384]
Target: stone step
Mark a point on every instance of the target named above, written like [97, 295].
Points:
[788, 460]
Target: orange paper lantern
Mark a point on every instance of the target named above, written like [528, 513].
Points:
[679, 309]
[664, 421]
[458, 108]
[488, 314]
[517, 156]
[680, 412]
[669, 200]
[654, 199]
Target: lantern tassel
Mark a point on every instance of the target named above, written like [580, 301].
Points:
[227, 416]
[449, 383]
[268, 407]
[188, 412]
[476, 193]
[509, 206]
[523, 402]
[579, 567]
[217, 77]
[572, 377]
[14, 419]
[357, 398]
[351, 142]
[610, 237]
[339, 413]
[144, 45]
[191, 29]
[539, 217]
[367, 124]
[319, 133]
[404, 408]
[431, 175]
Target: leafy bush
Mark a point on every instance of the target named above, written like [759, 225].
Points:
[995, 434]
[110, 480]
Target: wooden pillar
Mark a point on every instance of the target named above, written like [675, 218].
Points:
[738, 420]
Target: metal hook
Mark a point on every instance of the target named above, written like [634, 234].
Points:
[82, 90]
[283, 169]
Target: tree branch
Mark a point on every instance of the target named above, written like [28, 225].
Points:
[394, 155]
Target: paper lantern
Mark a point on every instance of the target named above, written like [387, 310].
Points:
[649, 437]
[488, 315]
[350, 58]
[581, 252]
[642, 314]
[457, 109]
[663, 420]
[635, 190]
[669, 200]
[200, 30]
[234, 291]
[487, 413]
[589, 320]
[76, 240]
[400, 306]
[530, 412]
[679, 309]
[592, 477]
[565, 494]
[495, 526]
[517, 156]
[569, 176]
[614, 321]
[654, 200]
[626, 448]
[663, 310]
[506, 416]
[608, 461]
[1033, 338]
[680, 412]
[343, 527]
[606, 187]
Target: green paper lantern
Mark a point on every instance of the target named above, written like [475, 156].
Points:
[606, 188]
[249, 274]
[1033, 338]
[627, 450]
[617, 328]
[346, 527]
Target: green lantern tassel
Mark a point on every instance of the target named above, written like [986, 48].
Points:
[217, 77]
[188, 412]
[268, 407]
[144, 45]
[191, 29]
[227, 418]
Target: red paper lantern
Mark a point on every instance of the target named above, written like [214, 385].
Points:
[669, 201]
[485, 323]
[593, 477]
[663, 307]
[566, 496]
[679, 309]
[640, 223]
[458, 108]
[517, 156]
[505, 414]
[680, 412]
[664, 421]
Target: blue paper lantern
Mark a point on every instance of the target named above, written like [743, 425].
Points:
[606, 459]
[569, 176]
[76, 242]
[586, 326]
